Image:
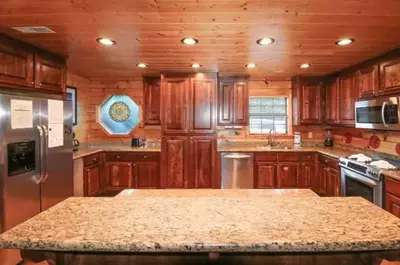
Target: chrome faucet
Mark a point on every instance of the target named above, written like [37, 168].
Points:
[271, 140]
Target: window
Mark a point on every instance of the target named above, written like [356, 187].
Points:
[266, 113]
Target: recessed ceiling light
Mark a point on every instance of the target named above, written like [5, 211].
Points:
[142, 65]
[196, 65]
[265, 41]
[189, 41]
[344, 42]
[107, 42]
[305, 65]
[251, 65]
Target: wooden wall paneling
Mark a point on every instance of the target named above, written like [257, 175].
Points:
[348, 95]
[152, 100]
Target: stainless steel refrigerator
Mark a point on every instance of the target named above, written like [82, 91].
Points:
[36, 163]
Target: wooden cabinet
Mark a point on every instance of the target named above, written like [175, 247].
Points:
[16, 64]
[332, 101]
[265, 175]
[152, 98]
[368, 81]
[118, 176]
[328, 177]
[288, 174]
[348, 95]
[233, 102]
[174, 162]
[310, 101]
[26, 67]
[202, 106]
[390, 76]
[333, 182]
[306, 175]
[92, 179]
[392, 196]
[50, 73]
[322, 189]
[202, 161]
[146, 175]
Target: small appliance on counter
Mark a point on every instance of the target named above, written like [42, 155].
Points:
[75, 143]
[328, 138]
[138, 142]
[297, 140]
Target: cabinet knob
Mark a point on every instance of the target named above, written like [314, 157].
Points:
[285, 168]
[145, 157]
[326, 161]
[94, 159]
[117, 157]
[32, 83]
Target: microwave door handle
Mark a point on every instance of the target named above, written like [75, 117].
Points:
[46, 153]
[383, 114]
[41, 154]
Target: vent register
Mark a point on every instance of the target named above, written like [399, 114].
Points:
[34, 30]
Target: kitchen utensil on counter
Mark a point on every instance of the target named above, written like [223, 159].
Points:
[138, 142]
[328, 138]
[297, 140]
[75, 143]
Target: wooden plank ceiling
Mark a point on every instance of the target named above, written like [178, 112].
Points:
[150, 31]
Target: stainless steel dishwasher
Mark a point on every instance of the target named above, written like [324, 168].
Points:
[237, 170]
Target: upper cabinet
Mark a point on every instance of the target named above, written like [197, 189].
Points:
[233, 102]
[152, 96]
[390, 76]
[23, 66]
[367, 81]
[332, 101]
[309, 92]
[189, 104]
[348, 95]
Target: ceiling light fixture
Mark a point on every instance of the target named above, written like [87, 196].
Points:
[251, 65]
[142, 65]
[344, 42]
[196, 65]
[189, 41]
[265, 41]
[305, 65]
[106, 41]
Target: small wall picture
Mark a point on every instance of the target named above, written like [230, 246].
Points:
[72, 96]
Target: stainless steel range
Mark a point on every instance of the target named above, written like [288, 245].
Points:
[362, 176]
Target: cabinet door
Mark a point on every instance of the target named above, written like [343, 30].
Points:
[310, 98]
[152, 95]
[264, 175]
[225, 103]
[323, 181]
[390, 77]
[288, 174]
[92, 180]
[202, 162]
[333, 183]
[50, 74]
[174, 105]
[16, 64]
[306, 175]
[240, 103]
[118, 176]
[348, 95]
[392, 204]
[367, 81]
[202, 106]
[146, 175]
[174, 162]
[332, 102]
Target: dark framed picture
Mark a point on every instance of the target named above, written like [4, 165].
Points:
[72, 95]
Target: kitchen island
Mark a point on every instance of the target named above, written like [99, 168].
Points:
[202, 229]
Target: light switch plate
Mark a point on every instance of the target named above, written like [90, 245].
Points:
[310, 135]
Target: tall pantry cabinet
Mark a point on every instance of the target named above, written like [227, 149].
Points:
[189, 143]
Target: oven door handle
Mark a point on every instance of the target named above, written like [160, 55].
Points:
[363, 180]
[383, 114]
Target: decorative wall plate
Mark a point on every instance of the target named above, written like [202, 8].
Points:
[348, 138]
[397, 148]
[374, 141]
[119, 114]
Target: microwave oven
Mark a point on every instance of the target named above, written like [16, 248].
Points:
[378, 114]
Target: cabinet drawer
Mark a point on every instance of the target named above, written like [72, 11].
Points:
[289, 156]
[91, 160]
[307, 156]
[329, 162]
[265, 157]
[146, 156]
[392, 186]
[118, 156]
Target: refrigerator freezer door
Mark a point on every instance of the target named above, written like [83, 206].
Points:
[58, 182]
[20, 193]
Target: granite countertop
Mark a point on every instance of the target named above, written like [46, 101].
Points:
[208, 224]
[393, 174]
[217, 193]
[82, 152]
[330, 151]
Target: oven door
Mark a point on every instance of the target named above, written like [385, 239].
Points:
[354, 184]
[381, 113]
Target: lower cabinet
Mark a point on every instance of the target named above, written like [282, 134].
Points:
[288, 174]
[146, 175]
[392, 196]
[328, 177]
[306, 176]
[118, 176]
[265, 175]
[92, 180]
[188, 162]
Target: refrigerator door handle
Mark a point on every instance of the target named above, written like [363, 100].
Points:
[41, 153]
[46, 149]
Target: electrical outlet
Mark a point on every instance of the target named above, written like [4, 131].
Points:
[310, 135]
